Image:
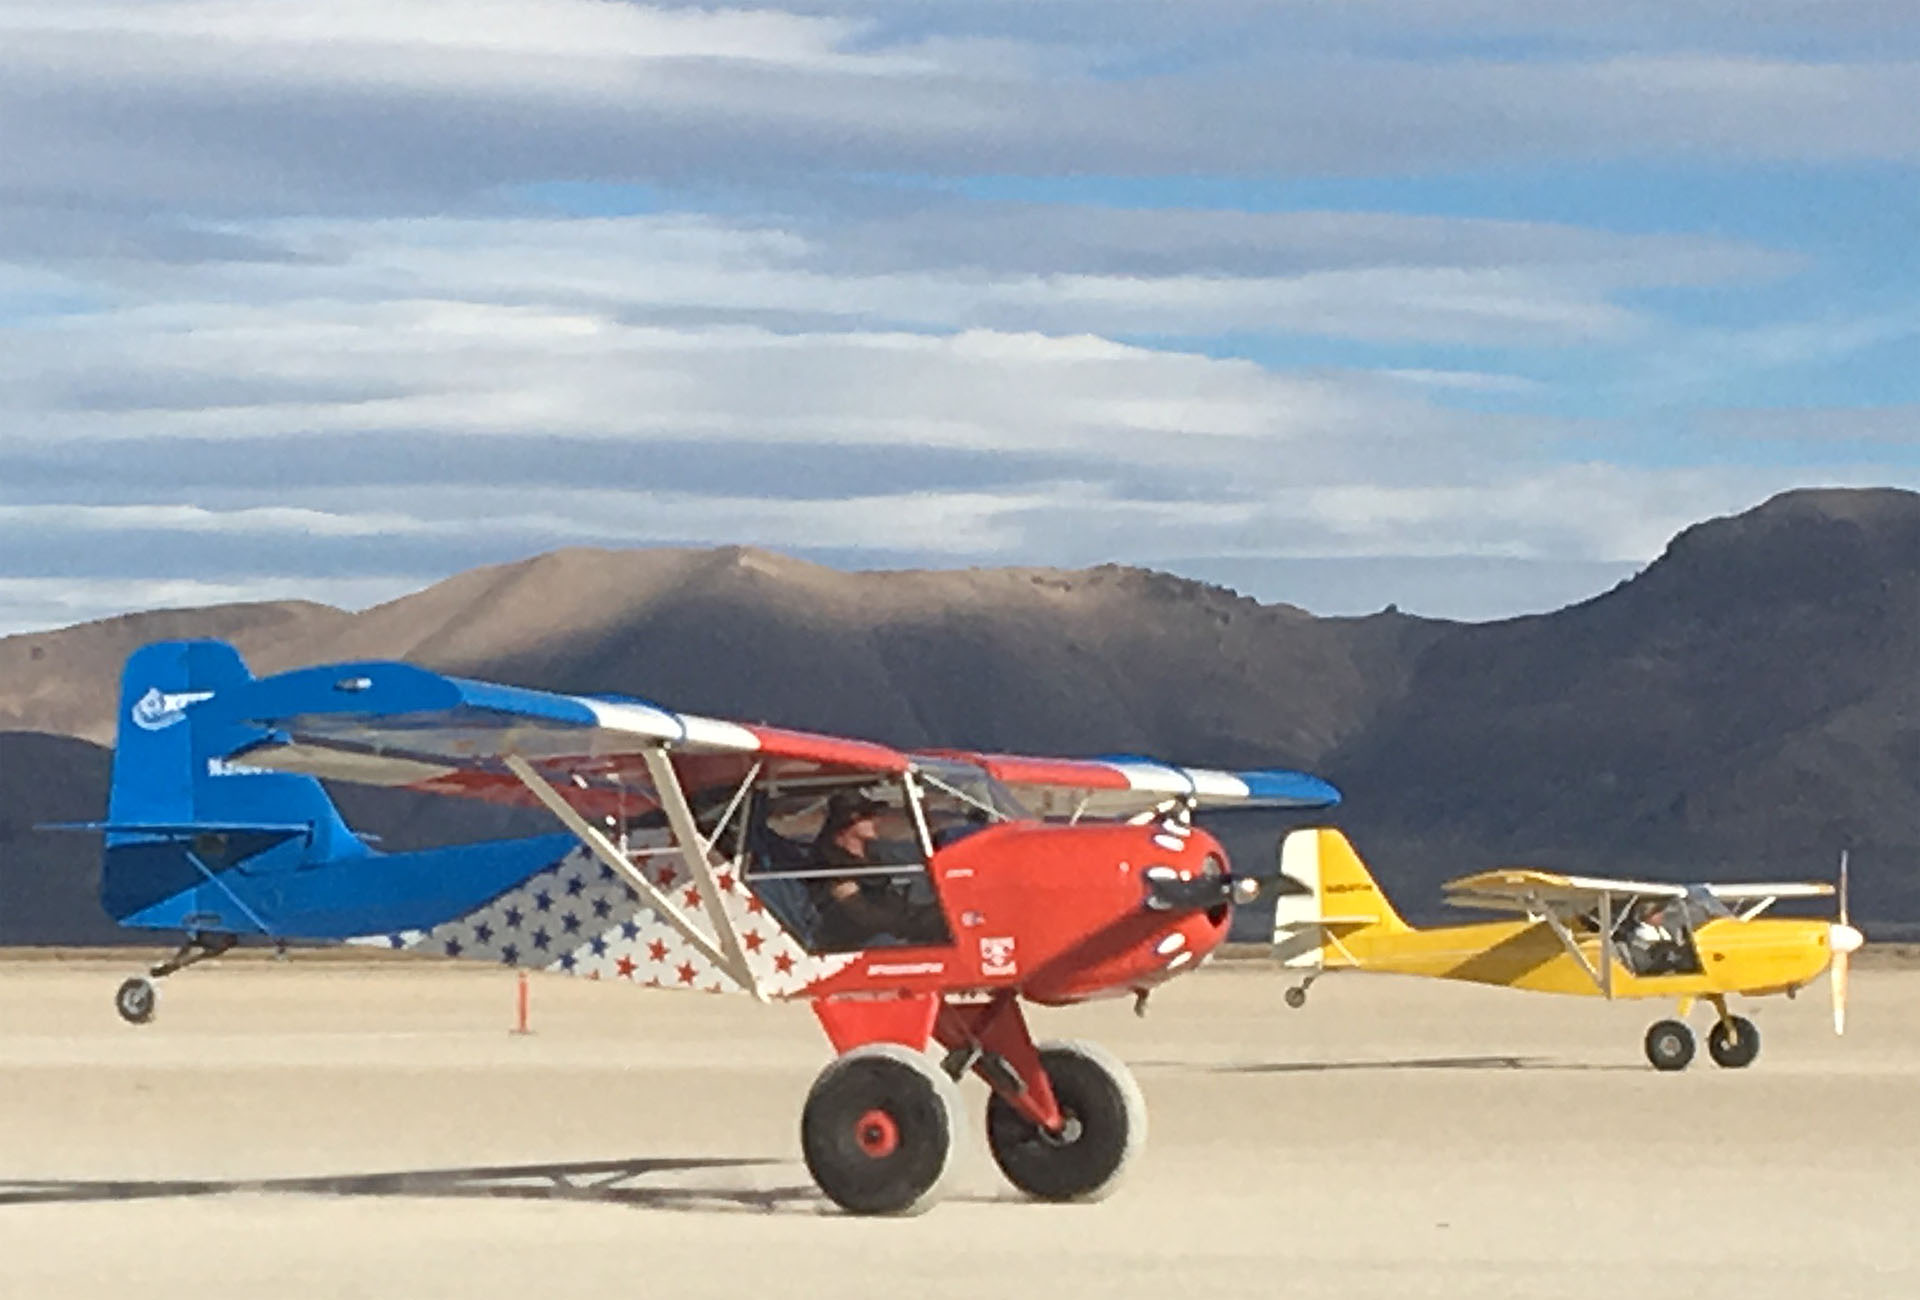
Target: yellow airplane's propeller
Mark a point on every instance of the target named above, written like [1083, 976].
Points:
[1844, 941]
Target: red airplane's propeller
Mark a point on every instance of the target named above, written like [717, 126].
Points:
[1843, 940]
[1169, 890]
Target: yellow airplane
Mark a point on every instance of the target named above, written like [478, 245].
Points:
[1580, 935]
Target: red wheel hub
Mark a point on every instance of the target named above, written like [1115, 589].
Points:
[876, 1133]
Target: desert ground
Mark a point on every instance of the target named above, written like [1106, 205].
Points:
[317, 1128]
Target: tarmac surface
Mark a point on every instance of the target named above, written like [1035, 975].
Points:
[317, 1128]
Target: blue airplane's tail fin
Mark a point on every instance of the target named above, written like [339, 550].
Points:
[198, 841]
[179, 814]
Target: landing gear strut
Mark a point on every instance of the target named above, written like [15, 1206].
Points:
[137, 997]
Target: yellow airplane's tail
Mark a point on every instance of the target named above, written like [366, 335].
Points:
[1334, 910]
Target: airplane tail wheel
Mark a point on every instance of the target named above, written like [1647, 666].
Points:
[1106, 1122]
[1296, 997]
[878, 1130]
[1736, 1049]
[135, 1000]
[1670, 1045]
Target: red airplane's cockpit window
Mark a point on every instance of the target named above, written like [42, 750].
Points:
[843, 866]
[959, 798]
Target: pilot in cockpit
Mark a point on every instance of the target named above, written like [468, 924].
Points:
[865, 905]
[1655, 940]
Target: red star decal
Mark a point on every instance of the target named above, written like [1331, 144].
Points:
[754, 907]
[667, 876]
[783, 963]
[657, 950]
[692, 897]
[725, 881]
[653, 983]
[626, 968]
[686, 972]
[753, 940]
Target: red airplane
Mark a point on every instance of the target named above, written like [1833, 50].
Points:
[910, 898]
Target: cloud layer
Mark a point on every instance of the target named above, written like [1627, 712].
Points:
[330, 300]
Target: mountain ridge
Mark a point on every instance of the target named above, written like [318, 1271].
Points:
[1743, 706]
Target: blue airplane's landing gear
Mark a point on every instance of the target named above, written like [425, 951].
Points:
[136, 999]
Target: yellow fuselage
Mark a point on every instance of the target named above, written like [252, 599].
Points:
[1757, 957]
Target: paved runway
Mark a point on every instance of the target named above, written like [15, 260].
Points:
[317, 1129]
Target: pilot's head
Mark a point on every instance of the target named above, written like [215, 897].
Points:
[851, 818]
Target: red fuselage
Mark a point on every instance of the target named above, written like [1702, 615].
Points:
[1056, 913]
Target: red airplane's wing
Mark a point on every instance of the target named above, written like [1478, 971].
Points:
[1127, 785]
[395, 724]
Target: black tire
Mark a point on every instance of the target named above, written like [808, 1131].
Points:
[1669, 1045]
[135, 1000]
[1735, 1050]
[1296, 997]
[1106, 1123]
[878, 1130]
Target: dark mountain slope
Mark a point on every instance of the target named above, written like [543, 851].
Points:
[1745, 706]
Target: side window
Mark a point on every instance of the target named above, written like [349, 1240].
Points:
[957, 799]
[1654, 937]
[841, 866]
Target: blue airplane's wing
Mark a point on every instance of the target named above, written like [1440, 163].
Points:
[180, 827]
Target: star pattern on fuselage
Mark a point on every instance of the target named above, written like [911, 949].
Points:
[577, 916]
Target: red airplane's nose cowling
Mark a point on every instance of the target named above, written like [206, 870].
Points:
[1174, 900]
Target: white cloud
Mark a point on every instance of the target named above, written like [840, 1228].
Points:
[32, 604]
[299, 234]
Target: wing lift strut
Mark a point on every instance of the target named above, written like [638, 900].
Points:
[722, 947]
[1603, 977]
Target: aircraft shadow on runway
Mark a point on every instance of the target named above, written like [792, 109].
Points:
[1412, 1063]
[642, 1183]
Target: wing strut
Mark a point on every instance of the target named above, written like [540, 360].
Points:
[608, 853]
[1602, 982]
[698, 855]
[1606, 944]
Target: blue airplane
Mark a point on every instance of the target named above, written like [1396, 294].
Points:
[202, 842]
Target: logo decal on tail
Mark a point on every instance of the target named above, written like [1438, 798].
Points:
[157, 710]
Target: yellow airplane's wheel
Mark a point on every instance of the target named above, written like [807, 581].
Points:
[1296, 997]
[1733, 1042]
[1670, 1045]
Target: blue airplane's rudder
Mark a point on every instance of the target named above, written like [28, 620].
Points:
[198, 841]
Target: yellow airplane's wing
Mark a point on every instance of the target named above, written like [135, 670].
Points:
[1518, 888]
[1522, 889]
[1753, 893]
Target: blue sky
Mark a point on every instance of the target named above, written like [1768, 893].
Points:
[1461, 305]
